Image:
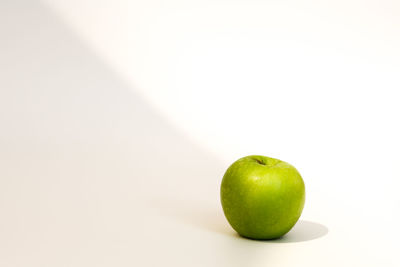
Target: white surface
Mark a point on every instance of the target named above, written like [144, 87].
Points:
[118, 120]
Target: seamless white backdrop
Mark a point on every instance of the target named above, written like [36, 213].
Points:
[236, 75]
[312, 83]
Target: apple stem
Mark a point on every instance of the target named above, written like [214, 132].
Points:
[260, 162]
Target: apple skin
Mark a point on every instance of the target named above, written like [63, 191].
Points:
[262, 197]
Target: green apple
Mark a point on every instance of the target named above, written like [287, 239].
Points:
[262, 197]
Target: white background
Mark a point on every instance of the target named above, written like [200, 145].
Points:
[119, 118]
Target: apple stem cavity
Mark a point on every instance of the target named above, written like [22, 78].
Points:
[260, 162]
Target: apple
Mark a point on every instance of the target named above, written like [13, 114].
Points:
[262, 197]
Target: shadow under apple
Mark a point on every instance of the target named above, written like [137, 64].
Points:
[301, 232]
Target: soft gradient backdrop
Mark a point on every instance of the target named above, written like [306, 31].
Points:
[119, 118]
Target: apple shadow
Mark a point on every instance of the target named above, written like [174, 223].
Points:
[303, 231]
